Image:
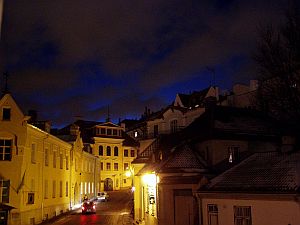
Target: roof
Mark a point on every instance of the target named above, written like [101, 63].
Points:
[232, 122]
[261, 172]
[184, 159]
[195, 98]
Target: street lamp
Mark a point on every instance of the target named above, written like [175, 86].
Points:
[130, 173]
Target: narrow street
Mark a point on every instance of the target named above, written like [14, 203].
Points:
[114, 212]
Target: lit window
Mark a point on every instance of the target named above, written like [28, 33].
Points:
[126, 166]
[233, 154]
[135, 134]
[242, 215]
[5, 149]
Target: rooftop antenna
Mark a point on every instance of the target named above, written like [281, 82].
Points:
[213, 73]
[5, 89]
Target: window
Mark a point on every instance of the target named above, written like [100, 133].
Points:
[155, 130]
[6, 114]
[5, 149]
[101, 166]
[108, 151]
[30, 199]
[4, 191]
[233, 154]
[54, 159]
[46, 156]
[108, 131]
[132, 153]
[115, 132]
[33, 152]
[116, 151]
[212, 211]
[53, 189]
[67, 162]
[103, 131]
[61, 161]
[173, 126]
[67, 189]
[125, 152]
[126, 166]
[116, 166]
[60, 188]
[101, 150]
[46, 189]
[107, 166]
[242, 215]
[135, 134]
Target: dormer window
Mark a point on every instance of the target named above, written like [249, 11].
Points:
[6, 113]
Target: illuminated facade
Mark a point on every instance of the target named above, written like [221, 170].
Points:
[114, 149]
[41, 175]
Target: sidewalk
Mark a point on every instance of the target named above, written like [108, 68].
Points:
[148, 220]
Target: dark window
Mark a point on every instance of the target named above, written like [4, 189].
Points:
[126, 166]
[242, 215]
[5, 149]
[115, 132]
[125, 152]
[30, 198]
[108, 151]
[116, 166]
[132, 153]
[103, 131]
[6, 114]
[107, 166]
[173, 126]
[4, 191]
[116, 151]
[155, 130]
[108, 131]
[212, 211]
[101, 150]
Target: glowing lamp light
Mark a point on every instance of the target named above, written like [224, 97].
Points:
[128, 173]
[149, 179]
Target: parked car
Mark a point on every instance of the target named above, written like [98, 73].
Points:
[88, 207]
[102, 196]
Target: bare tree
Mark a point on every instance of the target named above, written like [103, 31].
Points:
[278, 60]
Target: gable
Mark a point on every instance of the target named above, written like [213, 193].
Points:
[7, 103]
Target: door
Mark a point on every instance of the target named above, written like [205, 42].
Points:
[3, 217]
[184, 214]
[108, 184]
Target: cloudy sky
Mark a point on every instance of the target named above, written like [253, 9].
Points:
[72, 58]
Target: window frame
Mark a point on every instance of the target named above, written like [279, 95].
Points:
[240, 215]
[6, 149]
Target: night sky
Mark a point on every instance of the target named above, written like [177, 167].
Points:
[72, 58]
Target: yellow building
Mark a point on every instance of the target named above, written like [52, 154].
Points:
[41, 175]
[115, 149]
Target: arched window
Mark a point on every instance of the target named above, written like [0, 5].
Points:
[116, 151]
[101, 150]
[108, 151]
